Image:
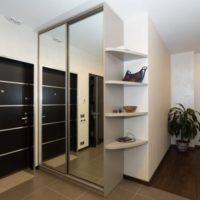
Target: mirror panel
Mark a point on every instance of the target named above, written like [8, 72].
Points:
[53, 102]
[85, 50]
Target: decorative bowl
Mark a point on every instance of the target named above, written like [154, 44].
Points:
[129, 109]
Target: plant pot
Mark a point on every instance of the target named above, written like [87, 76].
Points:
[182, 145]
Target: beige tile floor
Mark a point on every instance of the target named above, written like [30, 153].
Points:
[48, 187]
[88, 165]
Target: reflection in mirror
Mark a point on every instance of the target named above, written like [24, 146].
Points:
[53, 76]
[85, 46]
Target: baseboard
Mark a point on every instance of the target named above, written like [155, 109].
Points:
[83, 149]
[130, 178]
[190, 148]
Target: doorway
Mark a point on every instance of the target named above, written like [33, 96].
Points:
[95, 110]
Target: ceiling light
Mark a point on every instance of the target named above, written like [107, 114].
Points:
[13, 20]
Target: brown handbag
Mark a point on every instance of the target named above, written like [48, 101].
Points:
[136, 77]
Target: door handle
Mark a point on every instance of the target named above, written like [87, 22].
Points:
[24, 118]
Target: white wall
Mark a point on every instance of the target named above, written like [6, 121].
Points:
[159, 98]
[20, 43]
[182, 79]
[52, 54]
[141, 162]
[136, 39]
[197, 90]
[184, 82]
[138, 33]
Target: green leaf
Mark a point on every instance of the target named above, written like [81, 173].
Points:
[183, 123]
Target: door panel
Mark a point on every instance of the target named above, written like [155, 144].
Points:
[16, 110]
[53, 114]
[73, 111]
[95, 110]
[16, 139]
[54, 118]
[53, 132]
[12, 117]
[15, 161]
[16, 71]
[53, 149]
[53, 96]
[15, 94]
[53, 77]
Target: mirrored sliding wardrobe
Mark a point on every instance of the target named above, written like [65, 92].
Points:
[82, 94]
[71, 99]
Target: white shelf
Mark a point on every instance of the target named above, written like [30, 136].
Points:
[125, 115]
[122, 145]
[125, 54]
[125, 83]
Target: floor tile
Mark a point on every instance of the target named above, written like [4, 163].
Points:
[45, 194]
[22, 190]
[140, 197]
[90, 196]
[158, 194]
[67, 189]
[129, 185]
[14, 180]
[119, 194]
[45, 178]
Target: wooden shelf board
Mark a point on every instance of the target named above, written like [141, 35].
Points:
[125, 83]
[125, 115]
[125, 54]
[121, 145]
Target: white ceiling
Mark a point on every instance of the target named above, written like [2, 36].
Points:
[177, 21]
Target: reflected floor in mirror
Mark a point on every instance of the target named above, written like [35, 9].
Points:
[59, 162]
[88, 164]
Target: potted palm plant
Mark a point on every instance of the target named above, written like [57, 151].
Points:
[184, 124]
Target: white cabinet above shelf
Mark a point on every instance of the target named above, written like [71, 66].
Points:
[125, 83]
[125, 115]
[125, 54]
[125, 145]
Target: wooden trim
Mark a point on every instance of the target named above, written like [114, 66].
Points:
[146, 182]
[136, 180]
[85, 148]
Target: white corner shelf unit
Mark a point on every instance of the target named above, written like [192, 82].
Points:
[125, 83]
[119, 93]
[125, 145]
[125, 115]
[125, 54]
[131, 45]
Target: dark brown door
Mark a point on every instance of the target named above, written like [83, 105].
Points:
[53, 113]
[16, 116]
[95, 110]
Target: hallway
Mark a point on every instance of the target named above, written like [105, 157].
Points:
[179, 173]
[47, 187]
